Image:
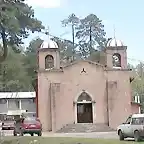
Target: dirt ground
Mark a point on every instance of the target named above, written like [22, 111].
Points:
[106, 135]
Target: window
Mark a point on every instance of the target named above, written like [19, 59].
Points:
[32, 100]
[128, 120]
[3, 101]
[17, 102]
[116, 60]
[138, 121]
[49, 62]
[84, 96]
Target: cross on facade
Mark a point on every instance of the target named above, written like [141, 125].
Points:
[83, 70]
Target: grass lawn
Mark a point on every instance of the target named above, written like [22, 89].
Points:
[62, 140]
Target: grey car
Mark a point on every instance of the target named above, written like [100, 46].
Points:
[132, 128]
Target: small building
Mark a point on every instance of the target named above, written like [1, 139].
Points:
[84, 91]
[17, 101]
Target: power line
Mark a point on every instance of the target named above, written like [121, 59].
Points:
[132, 59]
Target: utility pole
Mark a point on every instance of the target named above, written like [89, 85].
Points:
[73, 40]
[73, 37]
[90, 39]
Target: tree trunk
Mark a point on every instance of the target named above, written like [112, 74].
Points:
[5, 48]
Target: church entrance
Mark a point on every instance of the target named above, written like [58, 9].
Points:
[84, 113]
[84, 109]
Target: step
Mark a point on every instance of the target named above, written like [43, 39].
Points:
[84, 128]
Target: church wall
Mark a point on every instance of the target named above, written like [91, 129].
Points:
[68, 86]
[51, 100]
[43, 101]
[72, 85]
[119, 97]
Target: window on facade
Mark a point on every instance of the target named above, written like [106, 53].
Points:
[84, 97]
[49, 62]
[31, 100]
[116, 60]
[3, 101]
[17, 102]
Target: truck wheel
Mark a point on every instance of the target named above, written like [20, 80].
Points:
[14, 133]
[137, 136]
[40, 134]
[32, 134]
[121, 136]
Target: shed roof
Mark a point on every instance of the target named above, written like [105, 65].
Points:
[17, 95]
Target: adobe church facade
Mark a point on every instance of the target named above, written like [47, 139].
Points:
[84, 91]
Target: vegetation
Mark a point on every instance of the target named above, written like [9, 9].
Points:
[62, 140]
[18, 65]
[16, 22]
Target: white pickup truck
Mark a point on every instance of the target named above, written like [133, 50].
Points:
[132, 128]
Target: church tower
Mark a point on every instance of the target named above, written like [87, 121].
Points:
[48, 60]
[48, 55]
[116, 54]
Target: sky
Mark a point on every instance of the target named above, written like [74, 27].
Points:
[125, 15]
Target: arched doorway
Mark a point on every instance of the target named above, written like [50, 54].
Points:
[84, 109]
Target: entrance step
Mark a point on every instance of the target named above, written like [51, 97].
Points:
[84, 128]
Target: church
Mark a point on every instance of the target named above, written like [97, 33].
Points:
[84, 91]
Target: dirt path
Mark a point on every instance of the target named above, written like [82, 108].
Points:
[106, 135]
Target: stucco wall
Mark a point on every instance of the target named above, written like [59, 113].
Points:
[119, 95]
[58, 90]
[135, 108]
[71, 84]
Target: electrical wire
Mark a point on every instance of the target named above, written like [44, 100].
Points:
[132, 59]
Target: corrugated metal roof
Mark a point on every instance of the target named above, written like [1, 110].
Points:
[17, 95]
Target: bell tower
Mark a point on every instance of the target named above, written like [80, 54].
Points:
[48, 60]
[116, 54]
[48, 55]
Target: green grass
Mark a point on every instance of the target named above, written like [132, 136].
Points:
[62, 140]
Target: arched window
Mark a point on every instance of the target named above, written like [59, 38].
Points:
[84, 97]
[49, 62]
[116, 60]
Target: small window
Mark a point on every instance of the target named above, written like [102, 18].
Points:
[49, 62]
[17, 102]
[116, 60]
[3, 101]
[128, 120]
[84, 97]
[138, 121]
[31, 100]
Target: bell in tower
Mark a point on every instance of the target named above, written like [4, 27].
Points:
[116, 54]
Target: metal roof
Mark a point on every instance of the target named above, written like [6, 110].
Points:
[17, 95]
[137, 115]
[15, 112]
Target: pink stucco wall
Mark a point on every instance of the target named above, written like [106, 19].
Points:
[135, 108]
[58, 90]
